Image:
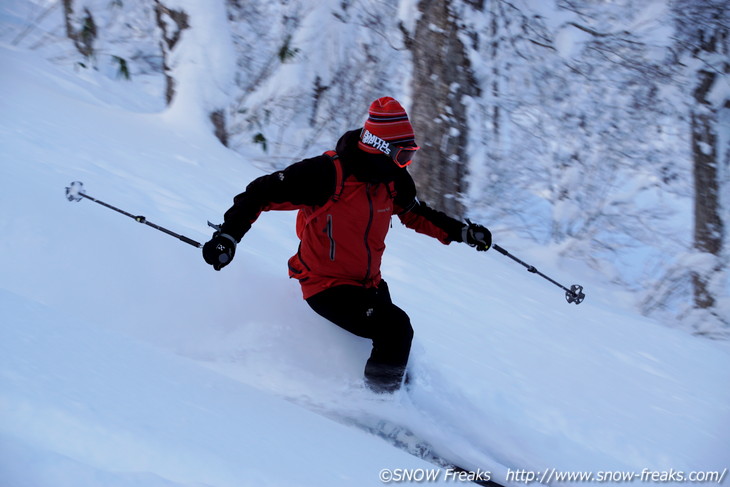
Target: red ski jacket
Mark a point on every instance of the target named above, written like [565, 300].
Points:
[346, 199]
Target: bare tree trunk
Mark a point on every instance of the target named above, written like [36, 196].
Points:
[218, 118]
[84, 36]
[708, 230]
[442, 79]
[172, 23]
[709, 227]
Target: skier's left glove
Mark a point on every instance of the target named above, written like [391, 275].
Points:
[219, 250]
[477, 236]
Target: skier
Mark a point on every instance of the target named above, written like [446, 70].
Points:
[346, 199]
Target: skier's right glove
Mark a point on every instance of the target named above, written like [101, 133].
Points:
[477, 236]
[219, 250]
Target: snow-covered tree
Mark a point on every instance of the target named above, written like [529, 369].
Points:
[443, 82]
[703, 43]
[307, 71]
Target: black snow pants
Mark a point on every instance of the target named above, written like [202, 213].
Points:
[370, 313]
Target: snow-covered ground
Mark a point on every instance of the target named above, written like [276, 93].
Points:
[126, 360]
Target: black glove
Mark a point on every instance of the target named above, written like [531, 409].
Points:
[477, 236]
[219, 250]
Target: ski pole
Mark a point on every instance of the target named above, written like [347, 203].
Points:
[573, 295]
[76, 192]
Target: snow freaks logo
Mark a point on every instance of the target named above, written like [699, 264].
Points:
[374, 141]
[424, 475]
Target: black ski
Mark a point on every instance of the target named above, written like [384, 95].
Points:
[406, 440]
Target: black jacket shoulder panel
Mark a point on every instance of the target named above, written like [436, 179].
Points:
[310, 182]
[406, 192]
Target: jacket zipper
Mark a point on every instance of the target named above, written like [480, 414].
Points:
[328, 230]
[367, 232]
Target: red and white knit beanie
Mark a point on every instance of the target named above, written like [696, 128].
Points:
[388, 121]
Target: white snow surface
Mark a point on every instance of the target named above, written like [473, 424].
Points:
[125, 360]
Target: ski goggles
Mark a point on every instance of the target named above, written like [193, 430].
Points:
[403, 156]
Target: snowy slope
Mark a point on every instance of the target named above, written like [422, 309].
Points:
[127, 361]
[82, 406]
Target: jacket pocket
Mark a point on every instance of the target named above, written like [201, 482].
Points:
[297, 268]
